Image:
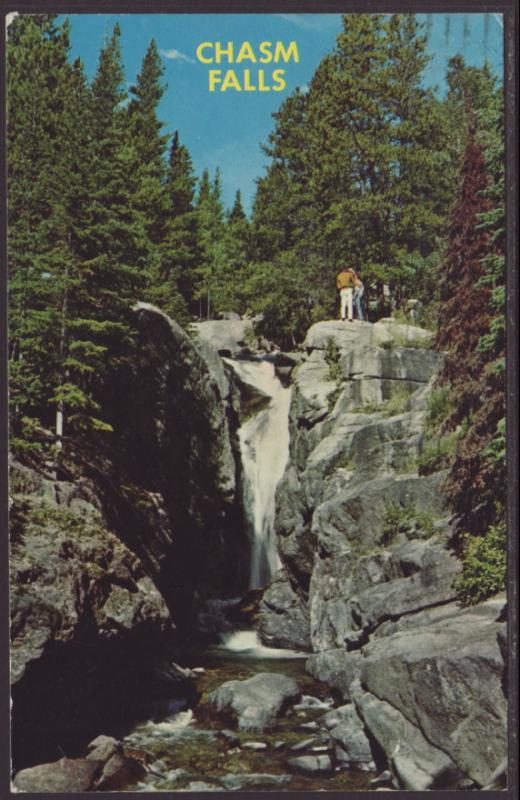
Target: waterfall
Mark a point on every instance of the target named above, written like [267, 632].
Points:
[264, 446]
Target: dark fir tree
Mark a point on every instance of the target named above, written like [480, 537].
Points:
[42, 87]
[210, 219]
[149, 147]
[112, 245]
[180, 252]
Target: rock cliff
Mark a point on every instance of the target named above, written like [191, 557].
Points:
[112, 560]
[367, 581]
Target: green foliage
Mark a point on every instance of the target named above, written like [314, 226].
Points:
[484, 570]
[439, 408]
[89, 225]
[398, 402]
[437, 452]
[333, 360]
[360, 171]
[407, 520]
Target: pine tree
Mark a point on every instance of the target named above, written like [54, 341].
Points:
[210, 218]
[359, 170]
[229, 289]
[149, 147]
[111, 246]
[41, 88]
[180, 251]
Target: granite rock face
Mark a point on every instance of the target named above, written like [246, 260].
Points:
[446, 679]
[67, 567]
[283, 617]
[363, 538]
[227, 336]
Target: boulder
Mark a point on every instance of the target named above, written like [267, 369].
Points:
[350, 742]
[104, 747]
[446, 679]
[119, 772]
[227, 336]
[249, 780]
[68, 567]
[418, 765]
[66, 775]
[256, 702]
[334, 717]
[283, 618]
[337, 668]
[310, 765]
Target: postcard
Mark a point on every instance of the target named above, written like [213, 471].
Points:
[258, 452]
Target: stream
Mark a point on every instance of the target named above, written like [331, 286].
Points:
[187, 746]
[189, 752]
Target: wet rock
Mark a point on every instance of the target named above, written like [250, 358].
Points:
[309, 726]
[306, 744]
[384, 777]
[103, 747]
[230, 737]
[309, 702]
[257, 746]
[256, 702]
[351, 745]
[202, 786]
[246, 780]
[283, 618]
[310, 765]
[336, 716]
[120, 772]
[66, 775]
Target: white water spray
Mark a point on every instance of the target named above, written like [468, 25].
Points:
[264, 445]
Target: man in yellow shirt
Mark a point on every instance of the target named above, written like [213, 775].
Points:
[345, 281]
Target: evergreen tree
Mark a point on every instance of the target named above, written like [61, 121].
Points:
[210, 218]
[359, 172]
[230, 280]
[180, 251]
[111, 246]
[42, 87]
[149, 148]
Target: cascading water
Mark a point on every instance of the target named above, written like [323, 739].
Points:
[264, 446]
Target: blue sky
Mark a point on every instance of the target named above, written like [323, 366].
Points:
[226, 128]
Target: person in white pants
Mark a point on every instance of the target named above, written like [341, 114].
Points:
[347, 303]
[345, 282]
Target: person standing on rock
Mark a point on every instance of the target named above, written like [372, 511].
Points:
[359, 294]
[345, 282]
